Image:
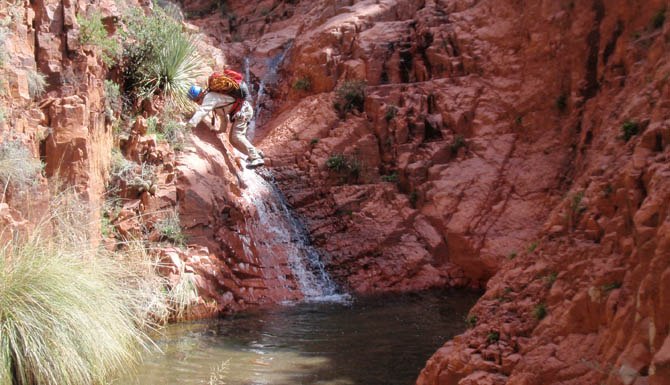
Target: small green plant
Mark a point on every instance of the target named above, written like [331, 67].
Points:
[93, 32]
[391, 112]
[314, 142]
[302, 84]
[512, 255]
[629, 129]
[540, 311]
[550, 279]
[350, 96]
[391, 178]
[493, 336]
[170, 229]
[458, 142]
[532, 247]
[37, 83]
[337, 162]
[608, 287]
[471, 321]
[659, 18]
[413, 198]
[562, 102]
[608, 190]
[518, 120]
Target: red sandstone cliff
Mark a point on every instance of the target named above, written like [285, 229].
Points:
[506, 139]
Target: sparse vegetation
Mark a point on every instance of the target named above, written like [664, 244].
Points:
[629, 129]
[532, 247]
[550, 278]
[18, 168]
[170, 229]
[37, 83]
[391, 178]
[659, 18]
[113, 102]
[93, 32]
[608, 190]
[471, 321]
[458, 142]
[391, 112]
[303, 83]
[4, 33]
[608, 287]
[350, 96]
[511, 255]
[314, 142]
[519, 120]
[540, 311]
[562, 102]
[493, 336]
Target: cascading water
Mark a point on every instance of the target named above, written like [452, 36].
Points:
[269, 78]
[284, 233]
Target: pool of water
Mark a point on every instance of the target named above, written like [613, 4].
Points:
[366, 340]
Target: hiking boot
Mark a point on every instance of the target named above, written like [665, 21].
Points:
[256, 163]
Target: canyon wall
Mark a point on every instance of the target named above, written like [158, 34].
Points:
[513, 145]
[499, 144]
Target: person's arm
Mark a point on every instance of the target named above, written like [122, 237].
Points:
[209, 102]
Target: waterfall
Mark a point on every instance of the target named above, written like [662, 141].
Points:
[269, 78]
[283, 234]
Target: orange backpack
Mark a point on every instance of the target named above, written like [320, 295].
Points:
[230, 83]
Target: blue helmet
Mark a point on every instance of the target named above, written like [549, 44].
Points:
[194, 92]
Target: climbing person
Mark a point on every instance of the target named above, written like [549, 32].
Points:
[227, 94]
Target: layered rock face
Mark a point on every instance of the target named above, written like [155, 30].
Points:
[521, 146]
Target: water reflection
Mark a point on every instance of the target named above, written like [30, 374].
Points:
[373, 340]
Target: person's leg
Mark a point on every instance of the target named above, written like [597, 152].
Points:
[238, 134]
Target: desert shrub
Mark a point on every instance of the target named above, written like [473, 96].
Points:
[471, 321]
[93, 32]
[350, 96]
[302, 84]
[37, 83]
[629, 129]
[17, 165]
[493, 336]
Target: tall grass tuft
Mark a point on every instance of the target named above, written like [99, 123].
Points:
[72, 314]
[17, 166]
[65, 315]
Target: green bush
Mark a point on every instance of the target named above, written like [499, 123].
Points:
[314, 142]
[350, 96]
[493, 336]
[302, 84]
[337, 162]
[93, 32]
[471, 321]
[629, 129]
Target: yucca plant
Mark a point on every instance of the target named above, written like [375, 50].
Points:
[173, 70]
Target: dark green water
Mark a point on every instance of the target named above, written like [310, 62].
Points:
[370, 340]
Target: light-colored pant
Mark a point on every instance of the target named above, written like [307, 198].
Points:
[238, 134]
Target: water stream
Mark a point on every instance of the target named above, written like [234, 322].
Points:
[280, 233]
[382, 340]
[269, 78]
